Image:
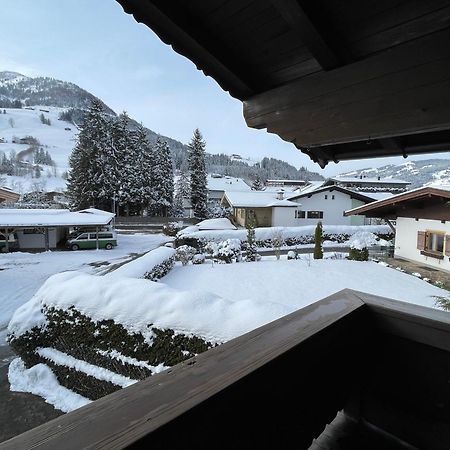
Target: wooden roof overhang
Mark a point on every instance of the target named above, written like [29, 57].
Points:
[331, 188]
[425, 203]
[339, 79]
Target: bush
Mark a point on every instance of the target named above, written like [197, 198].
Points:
[318, 238]
[292, 255]
[172, 228]
[357, 254]
[185, 253]
[199, 258]
[160, 270]
[227, 251]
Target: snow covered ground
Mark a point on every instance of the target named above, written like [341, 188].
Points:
[55, 138]
[298, 283]
[215, 301]
[22, 274]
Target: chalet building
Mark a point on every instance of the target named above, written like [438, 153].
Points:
[264, 209]
[45, 229]
[8, 195]
[422, 218]
[362, 183]
[328, 204]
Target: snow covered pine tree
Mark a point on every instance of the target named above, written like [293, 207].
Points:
[197, 170]
[86, 177]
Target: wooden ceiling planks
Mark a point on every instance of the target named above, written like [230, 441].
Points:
[322, 74]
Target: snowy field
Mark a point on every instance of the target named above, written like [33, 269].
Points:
[22, 274]
[298, 283]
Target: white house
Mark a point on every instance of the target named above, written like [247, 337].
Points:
[422, 231]
[328, 204]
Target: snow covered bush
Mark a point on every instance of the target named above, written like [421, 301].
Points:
[160, 270]
[227, 251]
[291, 254]
[152, 266]
[277, 242]
[359, 243]
[199, 258]
[217, 211]
[172, 228]
[185, 253]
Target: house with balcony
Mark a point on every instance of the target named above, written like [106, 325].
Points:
[422, 224]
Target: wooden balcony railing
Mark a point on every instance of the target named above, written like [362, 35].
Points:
[384, 364]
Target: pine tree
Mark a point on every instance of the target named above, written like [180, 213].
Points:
[257, 184]
[162, 178]
[86, 177]
[197, 169]
[251, 254]
[318, 251]
[182, 192]
[145, 161]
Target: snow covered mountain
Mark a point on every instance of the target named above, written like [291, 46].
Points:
[419, 173]
[42, 91]
[50, 111]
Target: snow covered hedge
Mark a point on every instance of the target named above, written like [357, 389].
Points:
[152, 266]
[291, 236]
[99, 334]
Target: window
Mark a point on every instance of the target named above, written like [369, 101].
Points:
[434, 242]
[93, 236]
[105, 236]
[315, 214]
[326, 196]
[332, 197]
[299, 214]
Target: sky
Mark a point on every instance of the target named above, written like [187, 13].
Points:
[95, 45]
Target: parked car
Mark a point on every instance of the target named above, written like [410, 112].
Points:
[87, 240]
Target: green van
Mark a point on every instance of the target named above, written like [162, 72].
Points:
[87, 240]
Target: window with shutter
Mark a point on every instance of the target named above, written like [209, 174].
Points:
[421, 240]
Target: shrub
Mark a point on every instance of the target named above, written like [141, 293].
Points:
[172, 228]
[185, 253]
[160, 270]
[318, 238]
[199, 258]
[250, 246]
[227, 251]
[292, 255]
[357, 254]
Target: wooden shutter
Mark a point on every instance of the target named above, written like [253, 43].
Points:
[421, 235]
[447, 245]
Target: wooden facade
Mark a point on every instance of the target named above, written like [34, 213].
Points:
[339, 79]
[377, 370]
[8, 196]
[426, 203]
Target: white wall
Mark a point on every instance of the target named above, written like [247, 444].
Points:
[333, 210]
[283, 216]
[37, 240]
[406, 240]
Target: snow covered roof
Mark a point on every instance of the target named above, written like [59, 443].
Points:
[370, 180]
[354, 194]
[257, 199]
[216, 224]
[97, 211]
[50, 217]
[227, 183]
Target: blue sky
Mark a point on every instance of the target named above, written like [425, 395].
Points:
[95, 45]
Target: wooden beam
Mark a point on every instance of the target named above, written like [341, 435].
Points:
[403, 91]
[174, 27]
[295, 16]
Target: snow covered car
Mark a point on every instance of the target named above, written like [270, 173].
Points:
[88, 240]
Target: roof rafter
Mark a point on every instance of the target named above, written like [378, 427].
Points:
[296, 17]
